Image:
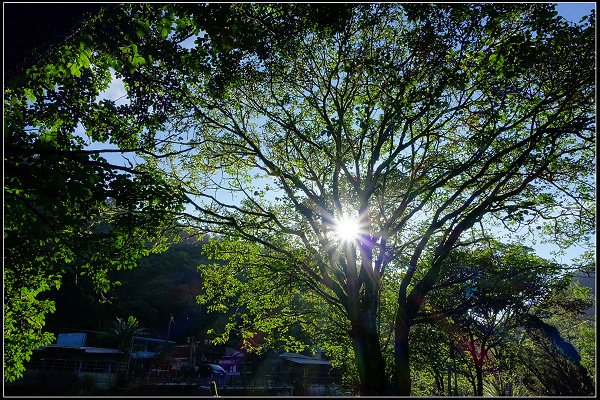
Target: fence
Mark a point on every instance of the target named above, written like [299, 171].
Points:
[278, 379]
[73, 365]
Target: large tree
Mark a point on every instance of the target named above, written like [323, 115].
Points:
[426, 124]
[502, 290]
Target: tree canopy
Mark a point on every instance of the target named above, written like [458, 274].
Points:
[69, 213]
[72, 210]
[423, 128]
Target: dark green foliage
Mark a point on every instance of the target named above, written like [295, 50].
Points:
[68, 212]
[491, 308]
[550, 370]
[433, 124]
[161, 285]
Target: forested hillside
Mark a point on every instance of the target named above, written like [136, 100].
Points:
[162, 284]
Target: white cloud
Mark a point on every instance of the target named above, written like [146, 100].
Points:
[115, 91]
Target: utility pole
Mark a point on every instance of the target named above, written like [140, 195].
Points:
[191, 343]
[171, 320]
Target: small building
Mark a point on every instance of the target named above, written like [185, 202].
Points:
[304, 374]
[308, 375]
[148, 358]
[69, 362]
[146, 348]
[232, 361]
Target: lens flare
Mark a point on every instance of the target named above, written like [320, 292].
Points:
[347, 229]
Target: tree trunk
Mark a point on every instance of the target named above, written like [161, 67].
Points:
[449, 380]
[473, 385]
[479, 372]
[369, 360]
[401, 379]
[439, 383]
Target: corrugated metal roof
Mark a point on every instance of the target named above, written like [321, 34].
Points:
[294, 355]
[55, 347]
[152, 340]
[144, 354]
[309, 361]
[95, 350]
[302, 359]
[101, 350]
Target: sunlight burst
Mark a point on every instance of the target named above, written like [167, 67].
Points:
[347, 229]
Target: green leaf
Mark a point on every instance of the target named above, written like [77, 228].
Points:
[85, 61]
[29, 95]
[19, 113]
[74, 70]
[138, 60]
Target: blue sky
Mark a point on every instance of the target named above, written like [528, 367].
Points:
[574, 11]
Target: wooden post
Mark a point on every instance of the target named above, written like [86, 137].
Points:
[213, 389]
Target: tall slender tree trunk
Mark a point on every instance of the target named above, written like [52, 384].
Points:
[473, 383]
[401, 379]
[479, 373]
[449, 380]
[369, 358]
[439, 384]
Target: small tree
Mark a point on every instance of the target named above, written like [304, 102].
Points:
[124, 332]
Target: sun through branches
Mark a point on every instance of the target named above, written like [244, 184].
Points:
[347, 229]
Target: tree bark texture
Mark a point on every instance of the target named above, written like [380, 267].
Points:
[401, 378]
[479, 372]
[369, 358]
